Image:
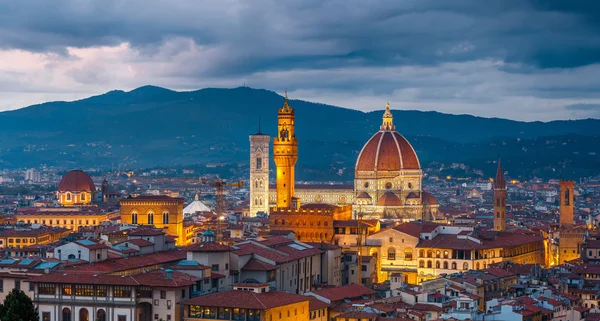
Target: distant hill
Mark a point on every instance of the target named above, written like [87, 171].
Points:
[152, 126]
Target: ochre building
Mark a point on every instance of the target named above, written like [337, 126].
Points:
[311, 222]
[160, 211]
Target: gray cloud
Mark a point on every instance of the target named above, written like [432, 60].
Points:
[486, 57]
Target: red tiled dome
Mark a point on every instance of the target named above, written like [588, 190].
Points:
[76, 181]
[387, 151]
[389, 199]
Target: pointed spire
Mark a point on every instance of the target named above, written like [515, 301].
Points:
[286, 106]
[387, 124]
[499, 182]
[259, 132]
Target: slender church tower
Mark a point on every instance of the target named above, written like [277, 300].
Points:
[259, 173]
[285, 154]
[499, 199]
[566, 203]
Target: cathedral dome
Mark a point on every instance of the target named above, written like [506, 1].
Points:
[387, 150]
[76, 181]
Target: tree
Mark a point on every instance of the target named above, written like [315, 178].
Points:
[18, 307]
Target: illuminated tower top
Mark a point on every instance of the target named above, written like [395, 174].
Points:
[387, 124]
[285, 154]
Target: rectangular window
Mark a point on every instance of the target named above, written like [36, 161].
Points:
[121, 318]
[47, 288]
[163, 294]
[122, 292]
[215, 267]
[67, 289]
[144, 292]
[84, 289]
[1, 285]
[101, 290]
[183, 294]
[45, 316]
[31, 287]
[258, 163]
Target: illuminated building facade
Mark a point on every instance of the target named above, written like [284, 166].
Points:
[285, 155]
[71, 218]
[311, 222]
[567, 240]
[160, 211]
[259, 173]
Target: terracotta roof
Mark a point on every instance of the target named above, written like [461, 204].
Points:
[209, 247]
[153, 198]
[256, 265]
[145, 231]
[316, 304]
[429, 199]
[389, 199]
[129, 263]
[344, 292]
[247, 299]
[358, 315]
[155, 278]
[139, 242]
[363, 195]
[279, 255]
[76, 181]
[276, 240]
[387, 151]
[426, 307]
[505, 239]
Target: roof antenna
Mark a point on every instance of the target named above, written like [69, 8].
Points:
[259, 125]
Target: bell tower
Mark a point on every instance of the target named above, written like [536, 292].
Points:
[259, 173]
[566, 203]
[285, 154]
[499, 199]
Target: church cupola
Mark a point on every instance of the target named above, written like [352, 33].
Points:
[208, 236]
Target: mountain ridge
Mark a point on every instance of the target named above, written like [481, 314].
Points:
[152, 125]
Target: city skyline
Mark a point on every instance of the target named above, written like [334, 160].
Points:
[529, 61]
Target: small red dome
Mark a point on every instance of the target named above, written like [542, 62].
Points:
[429, 199]
[387, 151]
[389, 199]
[76, 181]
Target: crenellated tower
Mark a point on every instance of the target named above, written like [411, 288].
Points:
[285, 154]
[499, 199]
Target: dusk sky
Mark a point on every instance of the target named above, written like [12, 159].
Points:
[524, 60]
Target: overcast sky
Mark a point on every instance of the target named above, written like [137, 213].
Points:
[517, 59]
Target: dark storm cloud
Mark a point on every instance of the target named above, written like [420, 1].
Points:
[272, 35]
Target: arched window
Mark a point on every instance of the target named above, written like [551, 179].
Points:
[429, 253]
[421, 264]
[421, 253]
[151, 218]
[165, 218]
[477, 266]
[408, 255]
[484, 265]
[276, 222]
[66, 314]
[256, 201]
[134, 218]
[445, 265]
[82, 196]
[391, 254]
[429, 265]
[454, 265]
[101, 315]
[445, 254]
[437, 254]
[465, 266]
[260, 201]
[261, 183]
[498, 214]
[437, 264]
[84, 315]
[68, 199]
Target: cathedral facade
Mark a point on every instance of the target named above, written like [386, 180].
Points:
[259, 173]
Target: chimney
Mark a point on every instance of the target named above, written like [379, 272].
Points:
[168, 274]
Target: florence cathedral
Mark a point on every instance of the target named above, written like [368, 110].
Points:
[387, 177]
